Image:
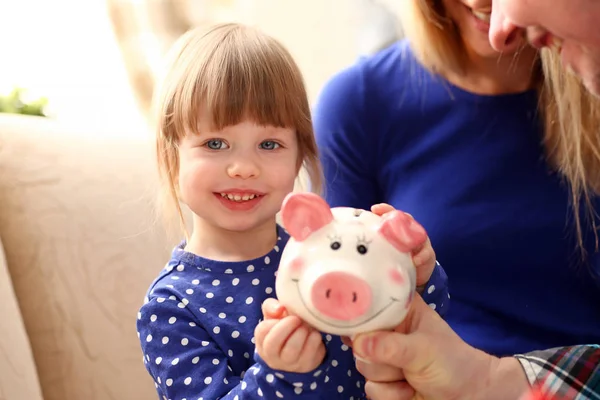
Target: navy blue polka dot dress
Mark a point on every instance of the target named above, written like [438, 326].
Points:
[196, 329]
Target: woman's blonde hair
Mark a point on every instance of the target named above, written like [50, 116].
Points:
[235, 72]
[571, 115]
[434, 40]
[572, 135]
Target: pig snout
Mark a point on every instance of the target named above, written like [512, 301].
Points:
[341, 296]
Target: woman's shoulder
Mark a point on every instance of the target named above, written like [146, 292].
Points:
[370, 90]
[395, 62]
[390, 66]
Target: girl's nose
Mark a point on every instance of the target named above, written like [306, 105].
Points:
[243, 168]
[504, 36]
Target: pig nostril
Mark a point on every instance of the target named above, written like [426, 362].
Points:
[354, 295]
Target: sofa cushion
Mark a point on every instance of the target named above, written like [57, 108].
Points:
[76, 218]
[18, 376]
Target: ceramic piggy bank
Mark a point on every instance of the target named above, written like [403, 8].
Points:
[345, 271]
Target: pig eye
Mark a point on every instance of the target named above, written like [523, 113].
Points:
[362, 245]
[361, 248]
[336, 242]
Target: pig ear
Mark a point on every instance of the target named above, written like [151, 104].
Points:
[402, 231]
[304, 213]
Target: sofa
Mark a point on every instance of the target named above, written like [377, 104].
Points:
[80, 245]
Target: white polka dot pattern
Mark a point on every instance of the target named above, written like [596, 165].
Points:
[196, 332]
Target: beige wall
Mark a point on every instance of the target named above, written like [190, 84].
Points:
[320, 34]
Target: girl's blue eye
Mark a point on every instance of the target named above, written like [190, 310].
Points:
[215, 144]
[269, 145]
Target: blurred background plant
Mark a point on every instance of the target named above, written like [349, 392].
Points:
[18, 102]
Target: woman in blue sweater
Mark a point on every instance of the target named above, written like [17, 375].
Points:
[464, 138]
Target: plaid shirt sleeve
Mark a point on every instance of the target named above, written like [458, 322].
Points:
[563, 373]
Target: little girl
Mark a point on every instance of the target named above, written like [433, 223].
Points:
[234, 129]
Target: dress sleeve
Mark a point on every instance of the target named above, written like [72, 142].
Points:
[564, 372]
[347, 141]
[186, 363]
[435, 291]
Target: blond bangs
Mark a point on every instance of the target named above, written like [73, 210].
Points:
[230, 73]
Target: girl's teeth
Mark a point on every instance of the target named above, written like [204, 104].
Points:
[237, 197]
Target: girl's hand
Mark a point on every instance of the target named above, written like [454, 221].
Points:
[285, 342]
[423, 255]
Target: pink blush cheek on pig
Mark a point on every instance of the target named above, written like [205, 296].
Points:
[398, 279]
[296, 266]
[395, 276]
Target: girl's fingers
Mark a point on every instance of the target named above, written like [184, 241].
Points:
[278, 335]
[382, 208]
[293, 347]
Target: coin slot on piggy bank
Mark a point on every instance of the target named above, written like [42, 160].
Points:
[345, 271]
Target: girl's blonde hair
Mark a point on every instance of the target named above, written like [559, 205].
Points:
[234, 72]
[571, 115]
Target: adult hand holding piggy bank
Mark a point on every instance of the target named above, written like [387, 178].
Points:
[346, 271]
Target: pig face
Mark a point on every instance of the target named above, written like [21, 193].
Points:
[345, 271]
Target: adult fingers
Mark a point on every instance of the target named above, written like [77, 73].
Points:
[389, 391]
[406, 351]
[379, 372]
